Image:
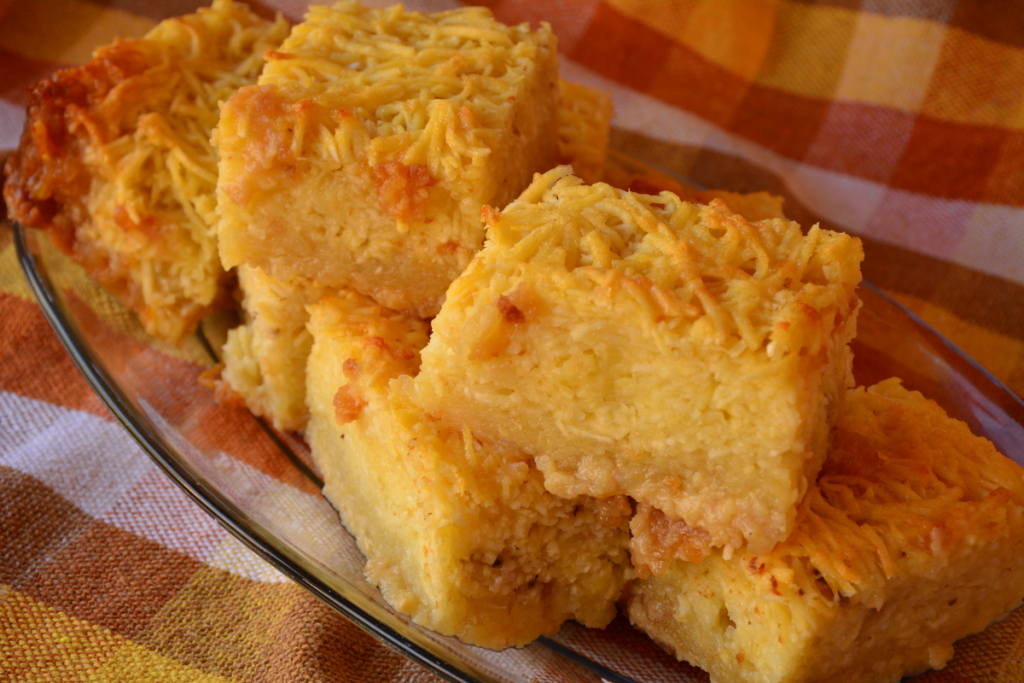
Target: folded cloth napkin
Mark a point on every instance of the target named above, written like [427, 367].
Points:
[900, 122]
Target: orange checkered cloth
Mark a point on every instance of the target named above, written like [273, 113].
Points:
[902, 122]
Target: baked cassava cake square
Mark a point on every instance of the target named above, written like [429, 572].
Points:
[459, 534]
[265, 358]
[116, 164]
[373, 139]
[912, 537]
[641, 345]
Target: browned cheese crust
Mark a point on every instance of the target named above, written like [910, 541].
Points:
[115, 161]
[47, 178]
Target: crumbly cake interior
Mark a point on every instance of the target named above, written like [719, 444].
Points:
[458, 533]
[116, 161]
[372, 141]
[642, 345]
[910, 540]
[265, 357]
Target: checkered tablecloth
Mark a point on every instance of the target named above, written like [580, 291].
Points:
[902, 122]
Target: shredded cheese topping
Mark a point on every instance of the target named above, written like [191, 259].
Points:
[438, 90]
[903, 480]
[199, 60]
[724, 274]
[116, 161]
[166, 165]
[152, 203]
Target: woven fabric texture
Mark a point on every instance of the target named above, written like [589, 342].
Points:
[901, 122]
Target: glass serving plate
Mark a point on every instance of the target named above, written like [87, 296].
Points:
[262, 487]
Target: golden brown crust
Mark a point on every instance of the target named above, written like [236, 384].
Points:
[348, 404]
[115, 161]
[613, 510]
[46, 177]
[402, 190]
[48, 180]
[656, 540]
[381, 362]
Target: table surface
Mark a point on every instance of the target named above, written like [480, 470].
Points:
[902, 123]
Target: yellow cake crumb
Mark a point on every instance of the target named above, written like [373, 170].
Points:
[265, 357]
